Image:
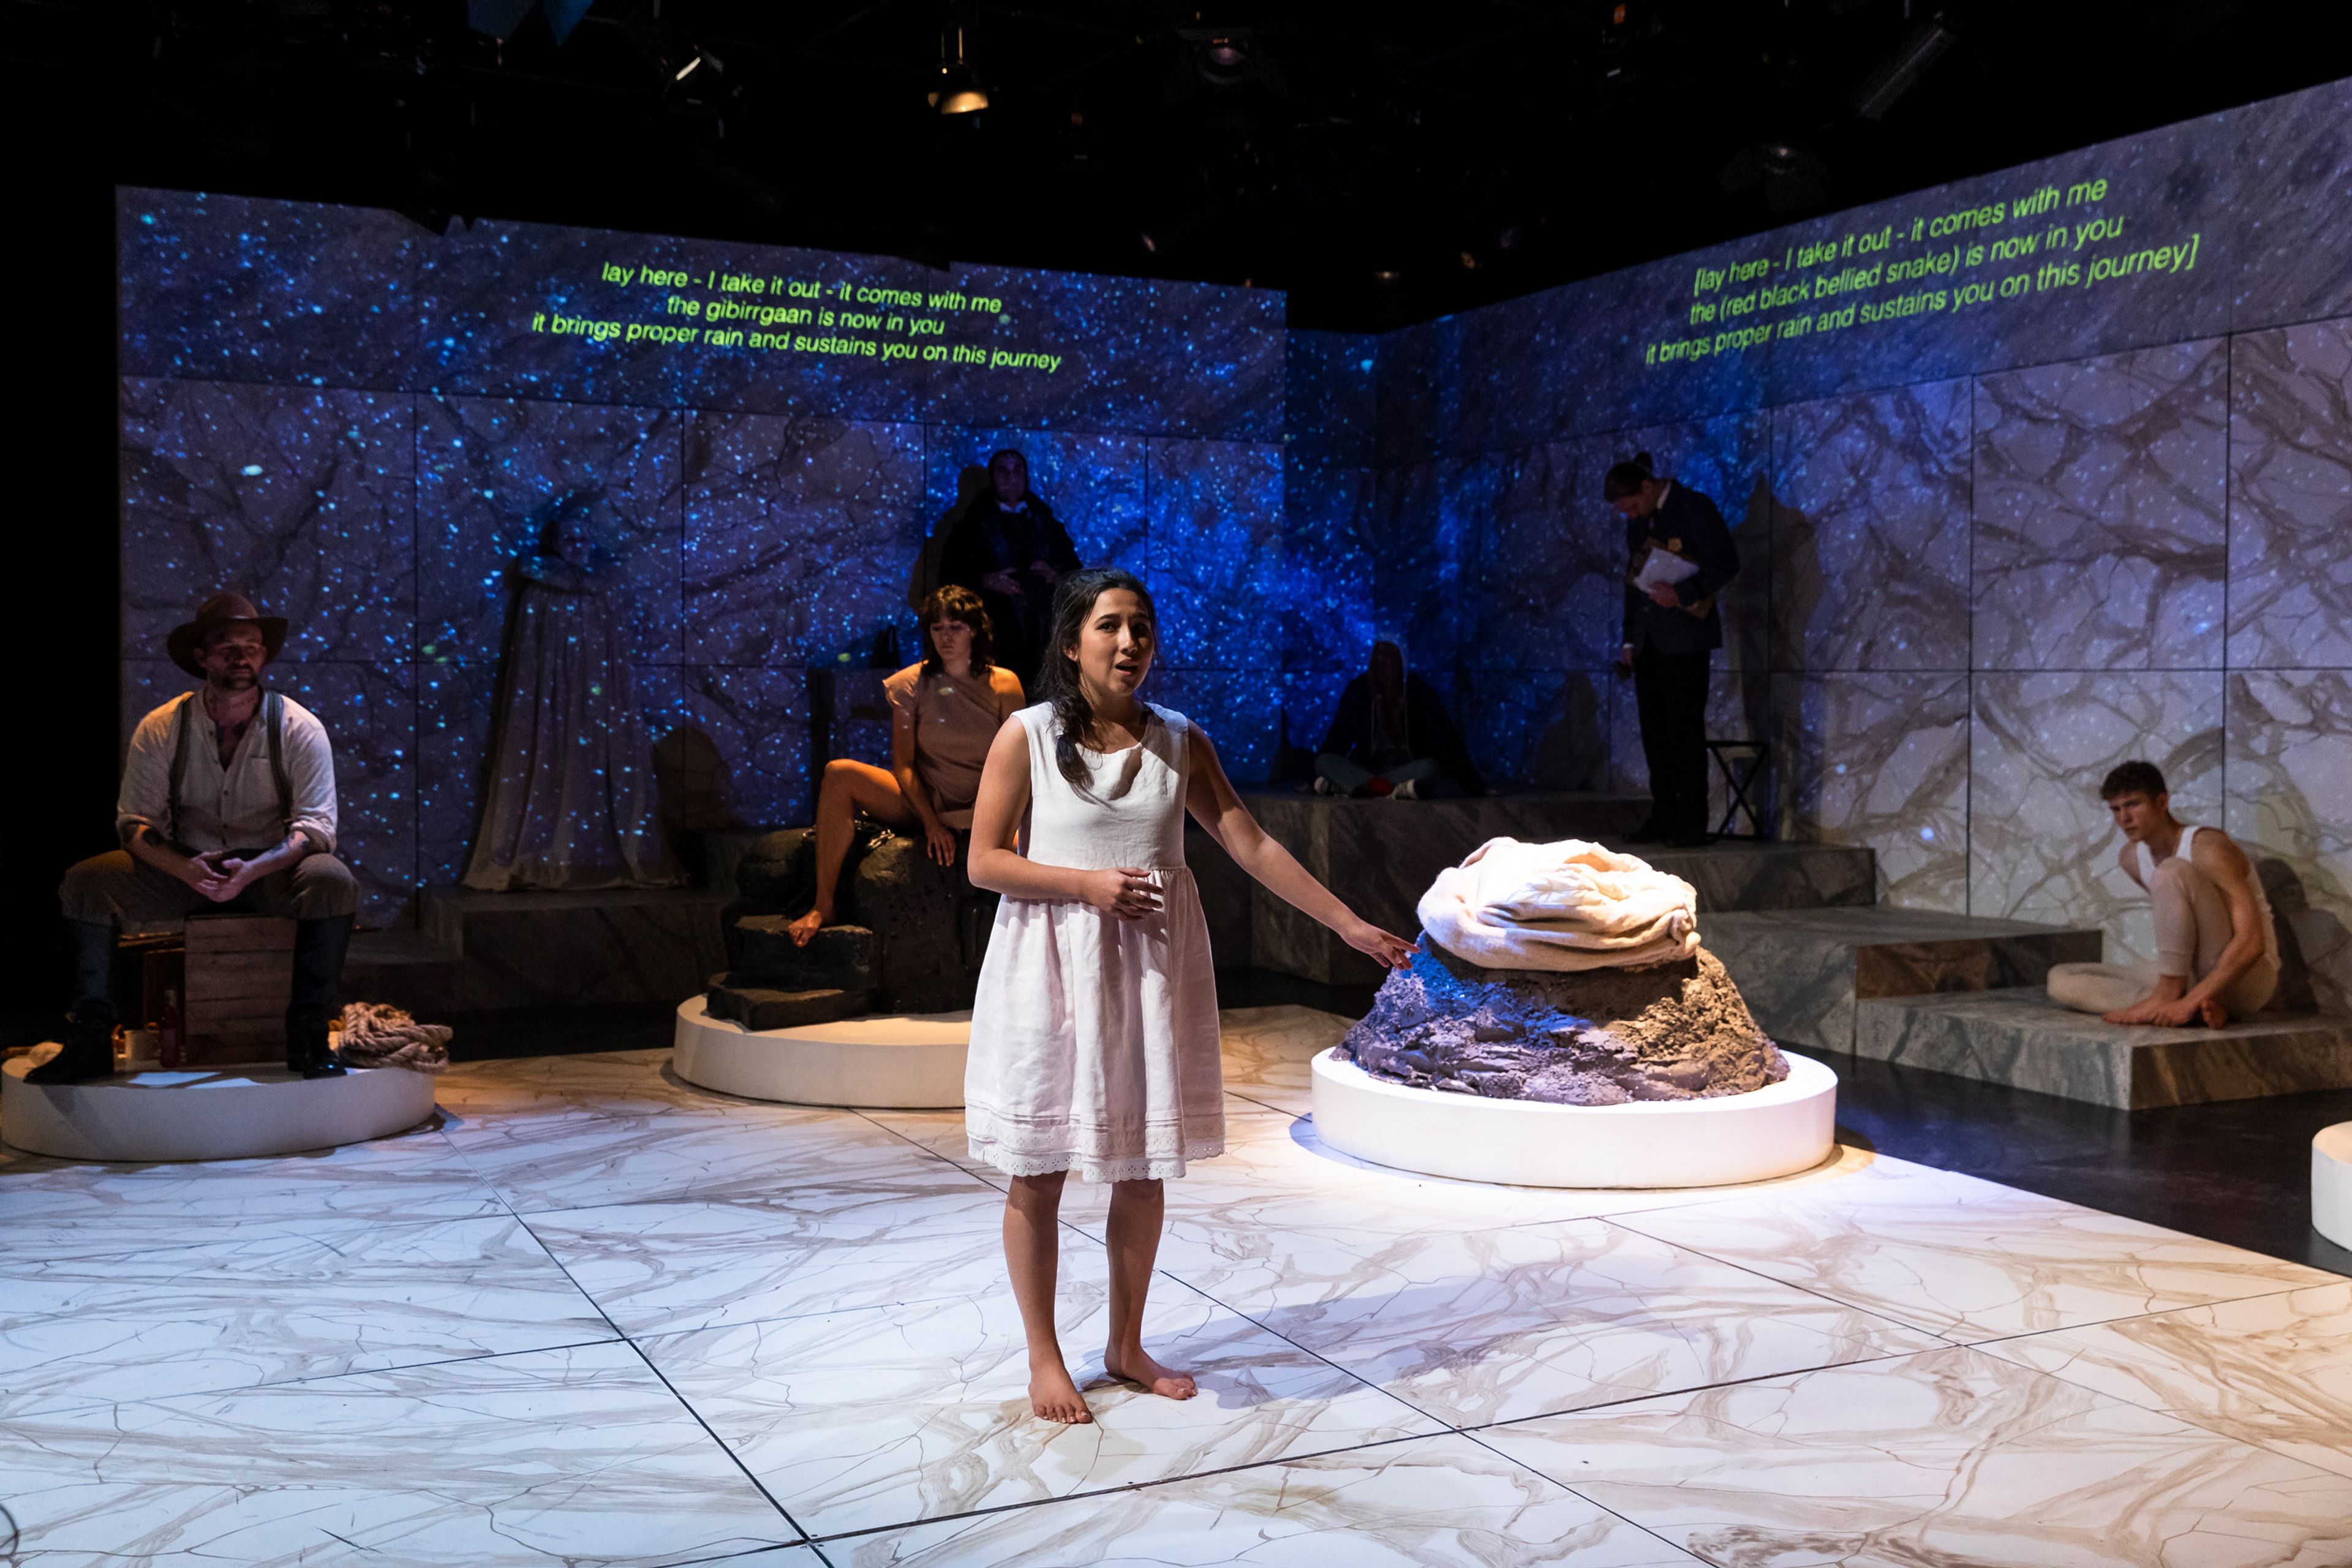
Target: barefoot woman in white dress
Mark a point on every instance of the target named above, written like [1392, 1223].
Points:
[1094, 1035]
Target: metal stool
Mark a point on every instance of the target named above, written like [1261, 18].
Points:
[1741, 764]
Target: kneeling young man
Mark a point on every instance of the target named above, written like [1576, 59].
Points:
[2216, 946]
[228, 803]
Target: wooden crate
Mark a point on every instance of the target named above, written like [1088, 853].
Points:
[239, 972]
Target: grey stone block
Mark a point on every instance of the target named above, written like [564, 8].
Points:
[1741, 876]
[764, 1007]
[2021, 1039]
[839, 957]
[1803, 970]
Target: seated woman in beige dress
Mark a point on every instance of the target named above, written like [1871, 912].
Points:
[944, 712]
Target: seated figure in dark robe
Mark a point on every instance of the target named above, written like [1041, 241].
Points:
[1009, 548]
[1392, 737]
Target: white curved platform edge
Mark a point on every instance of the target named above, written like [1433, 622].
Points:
[215, 1113]
[2331, 1182]
[907, 1062]
[1787, 1127]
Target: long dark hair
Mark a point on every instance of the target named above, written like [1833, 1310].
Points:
[955, 602]
[1057, 680]
[1627, 479]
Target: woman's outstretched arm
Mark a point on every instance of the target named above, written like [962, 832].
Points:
[1216, 806]
[1127, 891]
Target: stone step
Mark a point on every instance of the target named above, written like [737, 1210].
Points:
[757, 1006]
[608, 946]
[2020, 1037]
[400, 969]
[1802, 970]
[1737, 874]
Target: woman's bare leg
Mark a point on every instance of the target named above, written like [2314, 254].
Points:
[1032, 1256]
[1137, 1209]
[848, 788]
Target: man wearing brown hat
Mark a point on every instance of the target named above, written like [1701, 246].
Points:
[227, 802]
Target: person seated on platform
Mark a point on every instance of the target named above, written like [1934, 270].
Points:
[944, 713]
[1392, 737]
[228, 803]
[2217, 955]
[1009, 550]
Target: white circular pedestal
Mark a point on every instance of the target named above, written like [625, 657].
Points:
[907, 1062]
[2331, 1182]
[207, 1113]
[1786, 1127]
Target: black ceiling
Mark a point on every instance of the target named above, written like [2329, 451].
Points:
[1382, 159]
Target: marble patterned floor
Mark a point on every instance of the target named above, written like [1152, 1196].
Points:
[597, 1316]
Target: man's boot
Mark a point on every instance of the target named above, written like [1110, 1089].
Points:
[88, 1050]
[318, 947]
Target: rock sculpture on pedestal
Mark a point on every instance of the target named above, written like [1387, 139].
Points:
[1583, 984]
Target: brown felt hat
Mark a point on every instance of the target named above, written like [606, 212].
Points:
[223, 610]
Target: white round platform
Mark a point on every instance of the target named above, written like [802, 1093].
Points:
[1786, 1127]
[207, 1113]
[2331, 1182]
[907, 1062]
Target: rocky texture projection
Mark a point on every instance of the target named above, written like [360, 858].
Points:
[1591, 1036]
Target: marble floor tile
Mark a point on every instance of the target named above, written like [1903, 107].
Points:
[2272, 1370]
[667, 1268]
[577, 1457]
[609, 1083]
[1497, 1325]
[861, 1420]
[1268, 1049]
[583, 1160]
[940, 1133]
[1277, 1174]
[415, 1175]
[172, 1314]
[1946, 1457]
[1966, 1258]
[1429, 1502]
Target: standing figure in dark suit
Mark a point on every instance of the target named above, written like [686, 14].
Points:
[1009, 548]
[1679, 555]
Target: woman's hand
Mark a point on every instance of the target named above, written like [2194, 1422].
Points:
[940, 840]
[1126, 891]
[1388, 950]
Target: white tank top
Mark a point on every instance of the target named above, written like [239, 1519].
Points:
[2261, 899]
[1132, 811]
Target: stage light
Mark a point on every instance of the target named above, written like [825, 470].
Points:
[1387, 276]
[1901, 70]
[1225, 62]
[959, 88]
[1221, 60]
[499, 18]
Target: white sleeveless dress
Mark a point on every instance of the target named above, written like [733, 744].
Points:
[1094, 1039]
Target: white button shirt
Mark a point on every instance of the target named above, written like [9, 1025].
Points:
[231, 807]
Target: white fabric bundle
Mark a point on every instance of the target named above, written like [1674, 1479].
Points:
[1569, 905]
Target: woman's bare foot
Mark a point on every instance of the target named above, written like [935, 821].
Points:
[1054, 1396]
[1139, 1368]
[2216, 1016]
[807, 926]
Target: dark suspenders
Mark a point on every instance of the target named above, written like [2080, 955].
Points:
[273, 718]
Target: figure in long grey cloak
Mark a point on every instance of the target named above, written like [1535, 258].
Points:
[572, 801]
